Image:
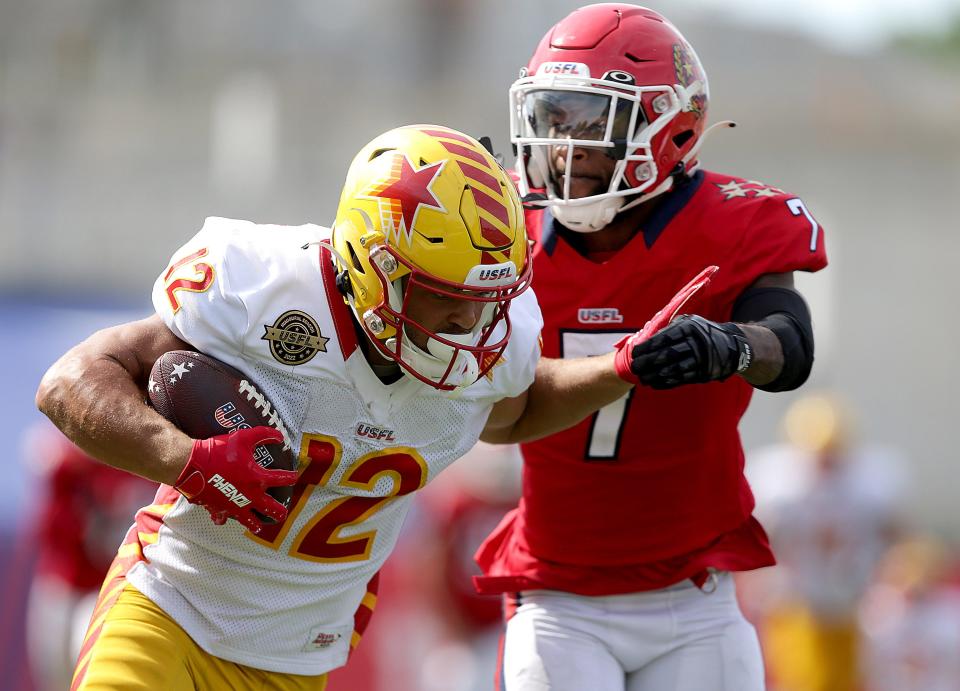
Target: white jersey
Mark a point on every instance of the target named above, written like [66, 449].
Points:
[263, 299]
[829, 529]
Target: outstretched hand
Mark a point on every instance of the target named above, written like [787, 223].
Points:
[626, 346]
[222, 476]
[691, 350]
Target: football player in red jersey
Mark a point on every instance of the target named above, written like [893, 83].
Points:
[615, 565]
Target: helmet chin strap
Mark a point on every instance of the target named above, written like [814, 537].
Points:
[433, 362]
[594, 216]
[588, 218]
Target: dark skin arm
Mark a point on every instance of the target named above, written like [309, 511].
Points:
[95, 394]
[767, 352]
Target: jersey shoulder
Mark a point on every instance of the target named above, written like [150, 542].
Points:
[733, 191]
[773, 229]
[241, 291]
[513, 372]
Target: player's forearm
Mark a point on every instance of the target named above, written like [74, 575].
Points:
[767, 361]
[93, 398]
[564, 393]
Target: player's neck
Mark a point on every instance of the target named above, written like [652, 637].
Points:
[383, 367]
[614, 237]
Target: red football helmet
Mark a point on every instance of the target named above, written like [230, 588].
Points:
[619, 77]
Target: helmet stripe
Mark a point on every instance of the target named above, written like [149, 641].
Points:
[483, 177]
[492, 202]
[466, 152]
[492, 206]
[490, 232]
[449, 134]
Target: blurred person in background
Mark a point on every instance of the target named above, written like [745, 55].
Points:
[833, 506]
[399, 337]
[84, 510]
[463, 506]
[615, 566]
[911, 619]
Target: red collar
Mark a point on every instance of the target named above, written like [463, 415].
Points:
[342, 319]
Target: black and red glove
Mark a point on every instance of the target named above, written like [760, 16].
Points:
[627, 345]
[690, 350]
[222, 476]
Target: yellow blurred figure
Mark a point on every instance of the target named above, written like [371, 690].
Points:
[831, 518]
[820, 424]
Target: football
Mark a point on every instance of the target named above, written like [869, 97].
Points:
[204, 398]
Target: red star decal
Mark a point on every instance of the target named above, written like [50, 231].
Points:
[409, 188]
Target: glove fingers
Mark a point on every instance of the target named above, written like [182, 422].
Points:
[275, 478]
[249, 521]
[256, 436]
[674, 374]
[271, 508]
[660, 359]
[659, 341]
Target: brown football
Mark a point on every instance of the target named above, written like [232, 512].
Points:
[204, 397]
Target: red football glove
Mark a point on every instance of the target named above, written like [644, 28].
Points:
[222, 477]
[663, 317]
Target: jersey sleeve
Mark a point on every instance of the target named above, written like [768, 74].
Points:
[199, 295]
[514, 374]
[783, 236]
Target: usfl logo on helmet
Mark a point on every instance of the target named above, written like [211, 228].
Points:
[402, 192]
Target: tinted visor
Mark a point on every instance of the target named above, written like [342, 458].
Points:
[575, 115]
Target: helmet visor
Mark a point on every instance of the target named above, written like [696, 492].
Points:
[556, 114]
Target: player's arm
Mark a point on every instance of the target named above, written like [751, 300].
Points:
[95, 394]
[766, 362]
[769, 343]
[563, 393]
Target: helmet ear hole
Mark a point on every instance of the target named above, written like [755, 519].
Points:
[680, 139]
[354, 258]
[379, 152]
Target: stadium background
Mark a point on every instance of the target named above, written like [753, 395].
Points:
[124, 123]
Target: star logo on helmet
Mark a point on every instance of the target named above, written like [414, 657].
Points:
[403, 192]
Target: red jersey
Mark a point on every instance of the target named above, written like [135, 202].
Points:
[87, 508]
[650, 490]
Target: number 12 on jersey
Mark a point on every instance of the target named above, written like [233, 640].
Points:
[322, 538]
[606, 425]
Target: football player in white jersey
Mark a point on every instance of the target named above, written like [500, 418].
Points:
[388, 344]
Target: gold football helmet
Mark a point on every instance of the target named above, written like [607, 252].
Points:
[428, 206]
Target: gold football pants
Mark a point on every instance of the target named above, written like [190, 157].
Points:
[134, 645]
